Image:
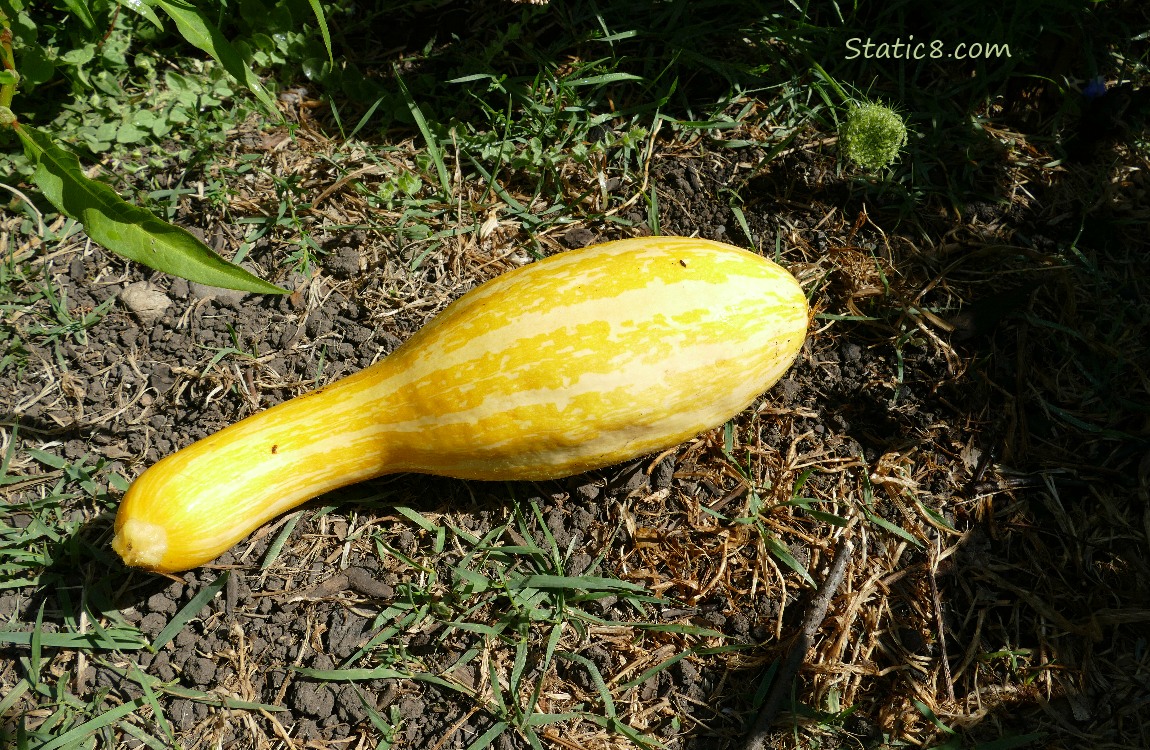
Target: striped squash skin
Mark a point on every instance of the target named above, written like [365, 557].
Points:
[575, 362]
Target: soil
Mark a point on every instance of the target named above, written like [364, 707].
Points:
[979, 418]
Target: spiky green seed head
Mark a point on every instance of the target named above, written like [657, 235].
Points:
[873, 135]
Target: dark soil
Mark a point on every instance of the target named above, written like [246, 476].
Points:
[1012, 410]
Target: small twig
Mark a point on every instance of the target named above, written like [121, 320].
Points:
[816, 613]
[939, 623]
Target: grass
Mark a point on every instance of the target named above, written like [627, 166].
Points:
[505, 606]
[467, 149]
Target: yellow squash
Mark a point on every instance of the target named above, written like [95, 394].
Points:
[575, 362]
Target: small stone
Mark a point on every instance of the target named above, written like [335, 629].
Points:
[145, 301]
[161, 378]
[578, 237]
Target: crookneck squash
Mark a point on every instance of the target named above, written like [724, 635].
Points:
[578, 361]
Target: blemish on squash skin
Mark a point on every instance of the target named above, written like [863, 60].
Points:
[275, 449]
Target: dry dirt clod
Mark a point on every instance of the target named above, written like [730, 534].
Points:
[145, 301]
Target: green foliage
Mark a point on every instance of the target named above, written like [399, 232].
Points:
[872, 136]
[90, 48]
[129, 230]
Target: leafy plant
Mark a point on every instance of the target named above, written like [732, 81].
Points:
[127, 229]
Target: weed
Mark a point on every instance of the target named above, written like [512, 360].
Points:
[873, 135]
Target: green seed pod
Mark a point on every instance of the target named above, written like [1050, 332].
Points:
[873, 135]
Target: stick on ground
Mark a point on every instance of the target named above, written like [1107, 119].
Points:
[816, 613]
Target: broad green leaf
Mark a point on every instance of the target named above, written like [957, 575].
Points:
[145, 10]
[202, 34]
[78, 56]
[129, 230]
[80, 10]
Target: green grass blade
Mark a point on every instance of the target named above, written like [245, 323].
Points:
[278, 543]
[8, 701]
[365, 119]
[926, 711]
[417, 518]
[321, 19]
[34, 659]
[552, 545]
[596, 679]
[351, 675]
[202, 34]
[574, 583]
[147, 739]
[742, 219]
[779, 550]
[548, 654]
[653, 212]
[830, 518]
[634, 735]
[489, 736]
[117, 641]
[496, 688]
[542, 720]
[649, 673]
[381, 673]
[935, 516]
[765, 685]
[518, 666]
[145, 681]
[433, 149]
[601, 80]
[190, 610]
[1009, 743]
[74, 736]
[892, 528]
[215, 699]
[129, 230]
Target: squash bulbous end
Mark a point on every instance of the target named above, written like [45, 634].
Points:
[141, 544]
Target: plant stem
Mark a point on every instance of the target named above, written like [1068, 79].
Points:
[8, 90]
